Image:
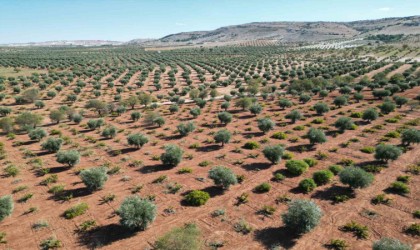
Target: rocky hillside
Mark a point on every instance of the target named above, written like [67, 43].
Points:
[292, 32]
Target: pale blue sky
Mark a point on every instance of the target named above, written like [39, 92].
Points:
[122, 20]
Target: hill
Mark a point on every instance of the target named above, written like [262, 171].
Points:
[292, 32]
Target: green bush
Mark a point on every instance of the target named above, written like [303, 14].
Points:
[197, 198]
[296, 167]
[344, 123]
[251, 145]
[50, 243]
[11, 171]
[224, 117]
[360, 231]
[70, 157]
[138, 140]
[94, 178]
[263, 188]
[223, 176]
[322, 177]
[273, 153]
[399, 187]
[384, 152]
[307, 185]
[387, 107]
[370, 114]
[6, 206]
[52, 144]
[172, 155]
[310, 161]
[180, 238]
[109, 132]
[294, 115]
[279, 135]
[321, 108]
[76, 210]
[368, 150]
[355, 177]
[413, 229]
[137, 213]
[390, 244]
[302, 216]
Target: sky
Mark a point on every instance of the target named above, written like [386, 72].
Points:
[122, 20]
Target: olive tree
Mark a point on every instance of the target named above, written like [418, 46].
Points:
[355, 177]
[138, 140]
[6, 206]
[316, 136]
[185, 128]
[343, 123]
[321, 108]
[294, 116]
[94, 178]
[223, 176]
[222, 136]
[409, 136]
[172, 155]
[52, 144]
[302, 216]
[386, 152]
[69, 157]
[273, 153]
[370, 114]
[265, 124]
[137, 213]
[224, 117]
[37, 134]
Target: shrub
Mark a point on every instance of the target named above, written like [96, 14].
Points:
[279, 135]
[322, 177]
[94, 178]
[316, 136]
[224, 117]
[399, 187]
[310, 161]
[380, 199]
[222, 136]
[389, 244]
[242, 227]
[302, 216]
[251, 145]
[409, 136]
[50, 243]
[370, 114]
[296, 167]
[185, 128]
[285, 103]
[182, 238]
[52, 144]
[294, 116]
[70, 157]
[263, 188]
[11, 171]
[6, 206]
[355, 177]
[197, 198]
[37, 134]
[76, 210]
[172, 155]
[358, 230]
[307, 185]
[344, 123]
[273, 153]
[255, 109]
[222, 176]
[28, 120]
[138, 140]
[265, 125]
[384, 152]
[368, 150]
[413, 229]
[337, 244]
[340, 101]
[136, 213]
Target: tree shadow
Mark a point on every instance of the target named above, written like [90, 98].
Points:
[154, 168]
[79, 192]
[173, 137]
[254, 134]
[208, 148]
[333, 191]
[56, 170]
[280, 236]
[104, 235]
[116, 152]
[246, 117]
[214, 191]
[39, 154]
[256, 166]
[27, 143]
[301, 148]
